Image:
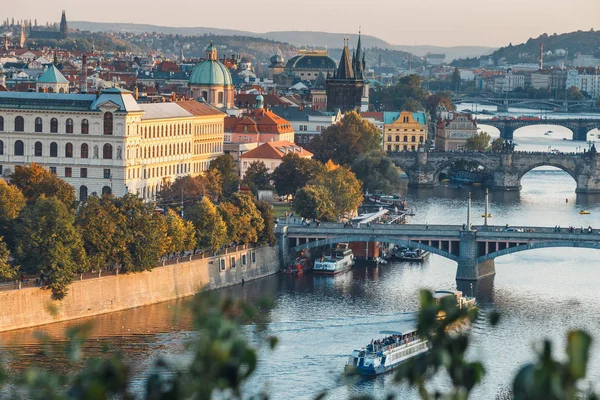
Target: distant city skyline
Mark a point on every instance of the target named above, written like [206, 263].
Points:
[429, 22]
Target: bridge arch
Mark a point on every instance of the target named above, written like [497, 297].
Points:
[549, 124]
[478, 160]
[549, 163]
[382, 239]
[539, 245]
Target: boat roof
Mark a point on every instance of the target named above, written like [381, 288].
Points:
[443, 293]
[397, 332]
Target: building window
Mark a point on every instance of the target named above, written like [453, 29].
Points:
[54, 125]
[38, 124]
[389, 138]
[106, 173]
[420, 139]
[108, 123]
[406, 138]
[1, 170]
[83, 193]
[413, 139]
[69, 125]
[244, 260]
[222, 264]
[253, 257]
[53, 149]
[37, 150]
[107, 152]
[232, 262]
[69, 150]
[1, 123]
[405, 147]
[19, 148]
[413, 147]
[1, 148]
[220, 97]
[19, 124]
[53, 170]
[106, 191]
[68, 172]
[84, 151]
[85, 128]
[397, 138]
[83, 172]
[397, 147]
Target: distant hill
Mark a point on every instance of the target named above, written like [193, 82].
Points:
[298, 38]
[528, 52]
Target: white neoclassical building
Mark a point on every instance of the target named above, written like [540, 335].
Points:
[108, 143]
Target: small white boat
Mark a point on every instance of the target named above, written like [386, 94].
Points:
[386, 353]
[339, 260]
[548, 133]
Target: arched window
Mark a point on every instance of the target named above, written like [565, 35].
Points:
[406, 138]
[413, 139]
[108, 123]
[1, 148]
[83, 193]
[38, 124]
[69, 125]
[19, 124]
[61, 90]
[37, 150]
[53, 125]
[420, 139]
[84, 151]
[69, 150]
[50, 90]
[1, 123]
[397, 138]
[220, 97]
[107, 152]
[53, 149]
[85, 127]
[106, 191]
[19, 148]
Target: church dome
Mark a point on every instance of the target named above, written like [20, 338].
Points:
[276, 59]
[210, 73]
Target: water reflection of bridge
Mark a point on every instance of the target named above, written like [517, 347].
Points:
[579, 126]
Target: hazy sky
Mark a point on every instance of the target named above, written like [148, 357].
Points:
[435, 22]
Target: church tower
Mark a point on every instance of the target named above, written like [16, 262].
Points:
[64, 28]
[348, 89]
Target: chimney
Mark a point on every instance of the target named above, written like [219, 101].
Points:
[136, 94]
[541, 56]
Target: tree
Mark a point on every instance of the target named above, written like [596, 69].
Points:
[314, 202]
[48, 242]
[229, 175]
[293, 173]
[497, 145]
[186, 189]
[478, 142]
[7, 269]
[247, 207]
[257, 177]
[236, 223]
[12, 202]
[345, 141]
[456, 80]
[34, 181]
[438, 99]
[267, 235]
[598, 103]
[573, 93]
[412, 105]
[181, 234]
[393, 97]
[211, 231]
[377, 172]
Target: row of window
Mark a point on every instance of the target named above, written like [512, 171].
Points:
[405, 130]
[38, 150]
[397, 148]
[412, 139]
[151, 132]
[233, 261]
[19, 125]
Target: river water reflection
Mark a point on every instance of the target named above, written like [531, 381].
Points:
[320, 320]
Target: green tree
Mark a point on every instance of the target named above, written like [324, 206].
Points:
[267, 235]
[12, 202]
[293, 173]
[497, 145]
[343, 190]
[257, 177]
[186, 189]
[247, 207]
[236, 222]
[229, 175]
[377, 172]
[388, 98]
[34, 181]
[314, 202]
[7, 269]
[412, 105]
[211, 231]
[573, 93]
[438, 99]
[478, 142]
[345, 141]
[456, 80]
[181, 234]
[47, 241]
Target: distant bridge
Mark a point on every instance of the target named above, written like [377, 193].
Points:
[504, 103]
[473, 249]
[505, 169]
[579, 127]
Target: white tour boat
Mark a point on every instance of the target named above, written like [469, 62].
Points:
[339, 260]
[383, 355]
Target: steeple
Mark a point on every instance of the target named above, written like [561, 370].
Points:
[63, 24]
[211, 52]
[345, 70]
[359, 57]
[22, 38]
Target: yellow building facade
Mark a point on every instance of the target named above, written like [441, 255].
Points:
[406, 132]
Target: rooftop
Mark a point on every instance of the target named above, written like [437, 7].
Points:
[276, 150]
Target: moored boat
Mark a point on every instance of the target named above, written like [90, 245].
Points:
[298, 266]
[337, 261]
[584, 212]
[384, 354]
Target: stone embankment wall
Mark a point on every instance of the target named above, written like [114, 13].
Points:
[33, 306]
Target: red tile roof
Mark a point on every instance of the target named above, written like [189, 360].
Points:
[276, 150]
[197, 108]
[259, 120]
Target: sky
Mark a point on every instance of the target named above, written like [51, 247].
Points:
[401, 22]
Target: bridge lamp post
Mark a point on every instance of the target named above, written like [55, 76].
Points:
[469, 213]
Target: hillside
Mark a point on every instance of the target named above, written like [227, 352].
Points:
[528, 52]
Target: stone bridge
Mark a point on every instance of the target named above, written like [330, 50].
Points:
[579, 127]
[474, 249]
[505, 170]
[504, 103]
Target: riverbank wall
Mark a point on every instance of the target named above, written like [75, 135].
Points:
[34, 306]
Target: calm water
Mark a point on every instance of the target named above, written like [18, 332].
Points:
[320, 320]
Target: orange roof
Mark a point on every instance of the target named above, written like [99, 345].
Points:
[276, 150]
[259, 120]
[197, 108]
[372, 114]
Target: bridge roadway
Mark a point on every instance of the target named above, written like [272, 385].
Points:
[504, 103]
[474, 250]
[579, 126]
[504, 170]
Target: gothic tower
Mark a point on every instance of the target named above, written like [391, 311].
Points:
[64, 28]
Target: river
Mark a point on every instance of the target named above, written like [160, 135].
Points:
[320, 320]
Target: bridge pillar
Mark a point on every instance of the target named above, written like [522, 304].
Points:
[587, 174]
[507, 132]
[284, 245]
[505, 177]
[469, 270]
[503, 107]
[580, 133]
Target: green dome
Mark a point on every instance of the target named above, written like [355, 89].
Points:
[210, 73]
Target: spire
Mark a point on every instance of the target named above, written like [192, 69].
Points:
[63, 24]
[345, 67]
[22, 38]
[358, 65]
